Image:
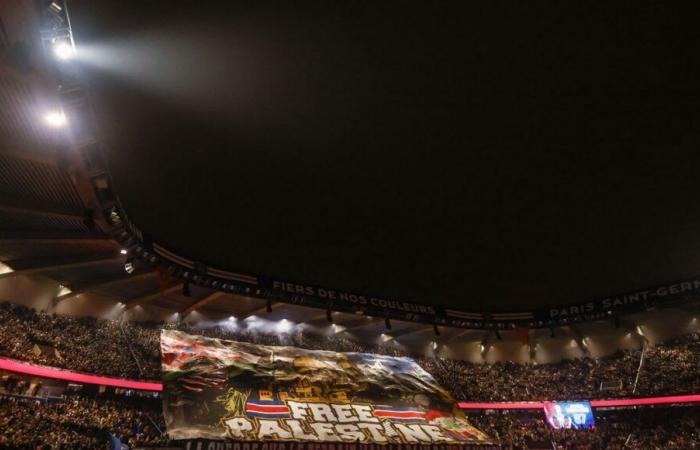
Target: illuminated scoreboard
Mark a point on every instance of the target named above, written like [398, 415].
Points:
[569, 414]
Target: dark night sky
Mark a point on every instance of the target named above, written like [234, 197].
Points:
[486, 154]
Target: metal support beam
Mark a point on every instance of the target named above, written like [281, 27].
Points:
[259, 310]
[418, 328]
[56, 241]
[579, 338]
[75, 265]
[105, 284]
[28, 152]
[18, 235]
[202, 302]
[133, 303]
[360, 322]
[14, 204]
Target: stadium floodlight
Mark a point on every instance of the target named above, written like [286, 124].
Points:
[4, 268]
[55, 119]
[129, 266]
[284, 326]
[63, 50]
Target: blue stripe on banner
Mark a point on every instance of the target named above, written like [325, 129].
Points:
[267, 415]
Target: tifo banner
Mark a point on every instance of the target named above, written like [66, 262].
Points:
[202, 444]
[217, 389]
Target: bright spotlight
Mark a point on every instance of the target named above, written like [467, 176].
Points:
[284, 326]
[63, 50]
[123, 251]
[56, 119]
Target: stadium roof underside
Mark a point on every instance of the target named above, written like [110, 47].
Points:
[62, 234]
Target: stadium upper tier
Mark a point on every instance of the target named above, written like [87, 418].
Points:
[63, 229]
[131, 350]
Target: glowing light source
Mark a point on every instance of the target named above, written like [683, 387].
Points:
[482, 348]
[56, 119]
[284, 326]
[4, 268]
[123, 251]
[63, 290]
[129, 266]
[63, 50]
[640, 331]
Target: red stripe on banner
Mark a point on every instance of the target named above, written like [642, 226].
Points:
[60, 374]
[399, 414]
[266, 408]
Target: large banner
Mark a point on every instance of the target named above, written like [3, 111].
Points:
[217, 389]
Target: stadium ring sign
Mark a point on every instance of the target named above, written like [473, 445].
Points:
[314, 296]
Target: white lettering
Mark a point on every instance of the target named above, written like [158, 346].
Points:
[239, 426]
[364, 413]
[412, 433]
[324, 431]
[344, 413]
[271, 428]
[298, 431]
[322, 412]
[349, 432]
[375, 431]
[298, 409]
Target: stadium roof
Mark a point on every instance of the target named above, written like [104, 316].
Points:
[474, 155]
[516, 180]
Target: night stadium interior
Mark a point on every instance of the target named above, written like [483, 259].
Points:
[85, 290]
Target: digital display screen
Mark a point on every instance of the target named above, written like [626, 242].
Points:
[569, 415]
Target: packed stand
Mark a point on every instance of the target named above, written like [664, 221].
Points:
[648, 428]
[131, 350]
[78, 422]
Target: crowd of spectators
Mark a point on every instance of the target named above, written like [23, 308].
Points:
[648, 428]
[90, 422]
[131, 350]
[78, 422]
